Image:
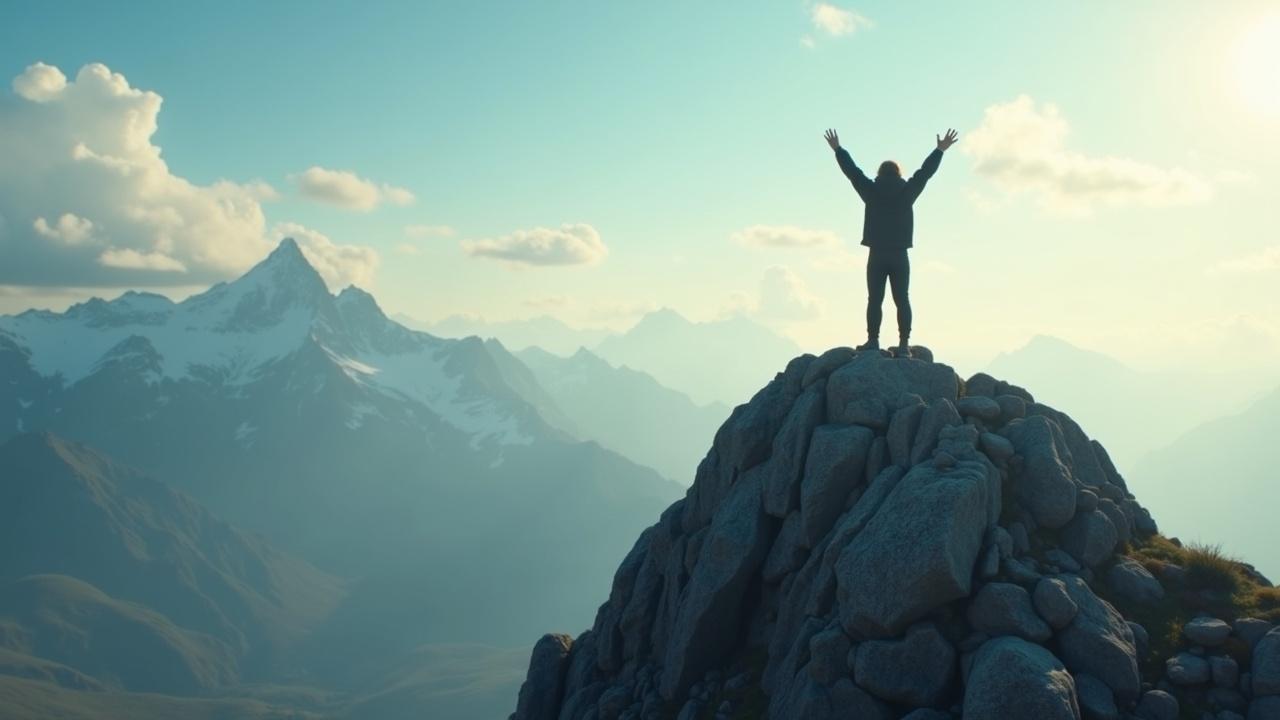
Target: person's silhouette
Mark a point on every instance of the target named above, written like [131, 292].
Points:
[886, 230]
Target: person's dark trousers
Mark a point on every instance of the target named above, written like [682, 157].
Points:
[889, 264]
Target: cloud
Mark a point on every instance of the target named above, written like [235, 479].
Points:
[785, 236]
[131, 259]
[405, 248]
[90, 202]
[339, 265]
[785, 297]
[1022, 148]
[570, 244]
[550, 302]
[836, 21]
[40, 83]
[70, 229]
[1264, 261]
[427, 231]
[344, 189]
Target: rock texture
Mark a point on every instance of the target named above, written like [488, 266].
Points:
[872, 537]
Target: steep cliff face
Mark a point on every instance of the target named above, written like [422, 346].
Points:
[874, 537]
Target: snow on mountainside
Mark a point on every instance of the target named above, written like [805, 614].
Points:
[235, 333]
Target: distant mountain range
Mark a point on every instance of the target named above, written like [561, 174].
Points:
[543, 331]
[628, 411]
[1208, 484]
[1133, 410]
[720, 361]
[434, 476]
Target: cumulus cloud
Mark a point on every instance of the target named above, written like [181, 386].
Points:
[785, 297]
[339, 265]
[570, 244]
[419, 232]
[40, 83]
[785, 236]
[344, 189]
[130, 259]
[836, 21]
[69, 228]
[1021, 146]
[1265, 260]
[91, 202]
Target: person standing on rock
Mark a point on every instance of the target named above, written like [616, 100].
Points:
[886, 230]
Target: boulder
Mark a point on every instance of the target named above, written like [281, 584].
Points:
[1096, 701]
[1251, 630]
[982, 407]
[917, 670]
[1206, 631]
[827, 652]
[835, 466]
[1099, 642]
[706, 625]
[805, 699]
[939, 414]
[790, 447]
[1090, 538]
[1044, 486]
[1130, 580]
[541, 692]
[822, 366]
[1264, 708]
[871, 376]
[918, 551]
[1157, 705]
[902, 432]
[1266, 665]
[1053, 603]
[788, 552]
[997, 447]
[1012, 678]
[1012, 407]
[1005, 609]
[1141, 638]
[1187, 669]
[1224, 670]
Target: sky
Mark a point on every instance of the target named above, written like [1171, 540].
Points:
[1113, 185]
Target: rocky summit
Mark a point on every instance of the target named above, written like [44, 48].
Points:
[875, 537]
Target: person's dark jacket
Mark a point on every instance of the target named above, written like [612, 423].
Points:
[888, 220]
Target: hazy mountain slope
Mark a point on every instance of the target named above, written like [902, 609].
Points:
[67, 510]
[1136, 411]
[120, 643]
[719, 361]
[374, 451]
[1211, 484]
[628, 411]
[24, 699]
[542, 331]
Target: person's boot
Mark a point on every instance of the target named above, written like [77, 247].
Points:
[870, 344]
[903, 350]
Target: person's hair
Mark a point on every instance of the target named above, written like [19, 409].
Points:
[890, 168]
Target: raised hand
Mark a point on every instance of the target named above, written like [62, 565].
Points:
[947, 140]
[833, 139]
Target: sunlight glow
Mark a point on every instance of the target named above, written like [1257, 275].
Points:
[1256, 59]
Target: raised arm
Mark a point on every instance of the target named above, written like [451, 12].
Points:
[860, 181]
[917, 182]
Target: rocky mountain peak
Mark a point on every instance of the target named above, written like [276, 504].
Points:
[875, 537]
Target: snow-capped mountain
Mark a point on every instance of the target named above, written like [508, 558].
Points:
[370, 449]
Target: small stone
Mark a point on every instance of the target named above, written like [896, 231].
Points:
[738, 682]
[1012, 407]
[1006, 609]
[1187, 669]
[1086, 500]
[1266, 665]
[1062, 560]
[1157, 705]
[1021, 542]
[1141, 638]
[1131, 580]
[979, 406]
[1207, 631]
[1096, 700]
[1225, 671]
[996, 447]
[1228, 699]
[1090, 537]
[1019, 571]
[1251, 630]
[827, 651]
[1054, 604]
